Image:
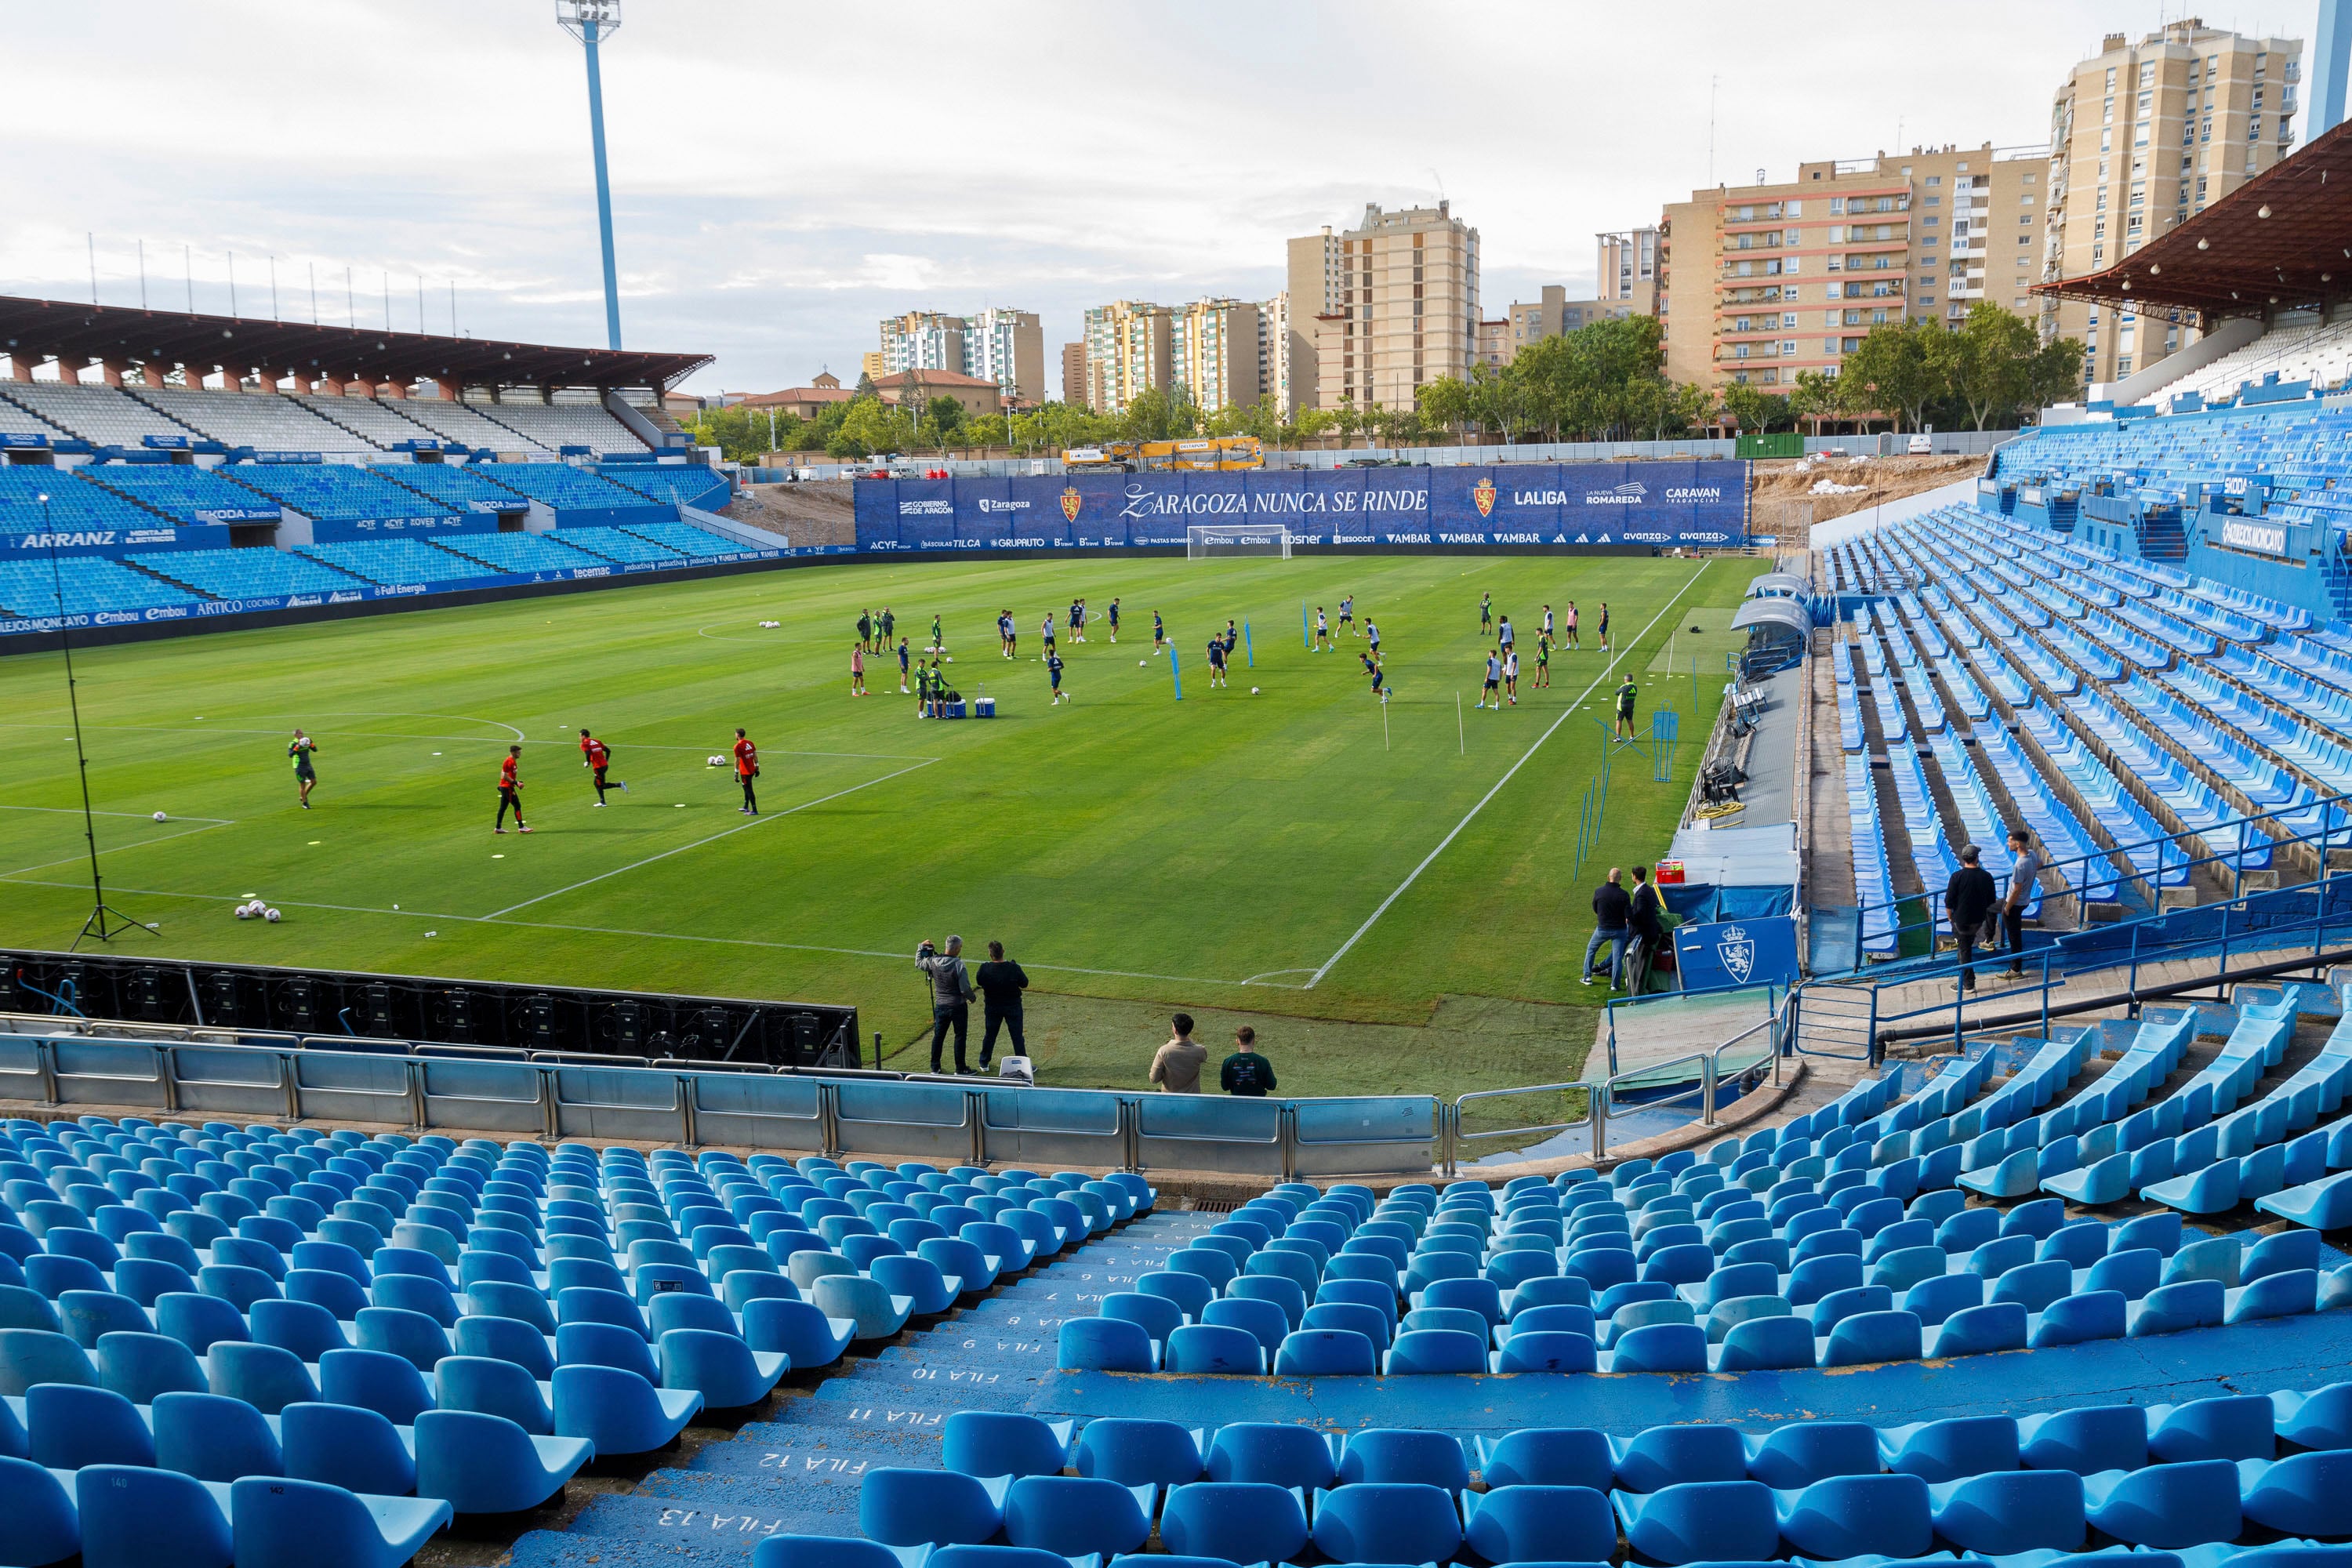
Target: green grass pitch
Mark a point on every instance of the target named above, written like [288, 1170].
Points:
[1393, 901]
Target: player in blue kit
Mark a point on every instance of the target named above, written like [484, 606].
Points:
[1159, 633]
[1004, 633]
[1216, 661]
[1348, 614]
[1492, 696]
[1322, 643]
[1373, 667]
[1054, 668]
[1114, 617]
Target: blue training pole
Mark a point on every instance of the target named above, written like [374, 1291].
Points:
[1305, 634]
[1249, 649]
[1174, 674]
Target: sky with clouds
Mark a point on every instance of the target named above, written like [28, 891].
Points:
[787, 174]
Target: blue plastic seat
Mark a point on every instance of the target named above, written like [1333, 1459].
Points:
[87, 1314]
[1864, 1337]
[72, 1426]
[263, 1376]
[1138, 1452]
[822, 1551]
[345, 1446]
[868, 1303]
[303, 1328]
[1539, 1525]
[133, 1515]
[1699, 1521]
[28, 1356]
[1548, 1457]
[1949, 1449]
[994, 1443]
[1102, 1344]
[297, 1524]
[1074, 1516]
[1215, 1348]
[726, 1372]
[917, 1507]
[1429, 1350]
[1277, 1453]
[1853, 1516]
[141, 1366]
[1661, 1347]
[2166, 1506]
[212, 1437]
[1659, 1456]
[797, 1329]
[412, 1336]
[1405, 1454]
[619, 1412]
[479, 1463]
[1234, 1521]
[2010, 1511]
[1386, 1521]
[43, 1525]
[493, 1387]
[1761, 1344]
[388, 1384]
[1795, 1455]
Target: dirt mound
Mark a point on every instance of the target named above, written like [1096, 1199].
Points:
[1791, 495]
[819, 512]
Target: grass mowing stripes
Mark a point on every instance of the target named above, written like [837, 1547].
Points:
[1137, 853]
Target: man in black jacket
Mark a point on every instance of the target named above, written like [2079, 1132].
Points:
[1968, 897]
[1001, 981]
[1649, 927]
[1613, 917]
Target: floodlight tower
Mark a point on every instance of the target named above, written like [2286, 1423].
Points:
[591, 21]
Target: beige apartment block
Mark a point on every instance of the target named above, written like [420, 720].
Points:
[1311, 286]
[1213, 353]
[1131, 350]
[1001, 345]
[1757, 283]
[1627, 270]
[1407, 307]
[1495, 343]
[2143, 136]
[1274, 358]
[1073, 375]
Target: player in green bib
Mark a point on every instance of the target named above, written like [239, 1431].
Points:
[306, 778]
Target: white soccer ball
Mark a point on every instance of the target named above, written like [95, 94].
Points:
[711, 762]
[245, 912]
[159, 817]
[1252, 691]
[269, 915]
[950, 658]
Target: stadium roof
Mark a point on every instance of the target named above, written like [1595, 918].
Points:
[78, 335]
[2281, 240]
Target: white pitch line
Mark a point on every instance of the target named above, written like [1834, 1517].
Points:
[209, 823]
[1415, 875]
[405, 735]
[76, 811]
[730, 833]
[657, 935]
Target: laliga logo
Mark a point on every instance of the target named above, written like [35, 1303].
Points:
[1482, 493]
[1071, 501]
[1736, 953]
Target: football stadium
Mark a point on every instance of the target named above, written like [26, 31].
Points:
[1845, 1058]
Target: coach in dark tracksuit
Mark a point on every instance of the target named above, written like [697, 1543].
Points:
[950, 997]
[1001, 981]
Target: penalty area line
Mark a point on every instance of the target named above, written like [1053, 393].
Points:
[729, 833]
[1429, 859]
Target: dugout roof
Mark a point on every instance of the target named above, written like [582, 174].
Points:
[2280, 241]
[80, 335]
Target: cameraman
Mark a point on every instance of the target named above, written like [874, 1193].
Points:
[951, 994]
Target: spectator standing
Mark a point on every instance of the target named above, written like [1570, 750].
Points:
[2024, 870]
[950, 997]
[1176, 1066]
[1612, 917]
[1625, 695]
[1648, 925]
[1245, 1072]
[1001, 981]
[1968, 897]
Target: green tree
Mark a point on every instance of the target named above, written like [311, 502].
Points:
[941, 424]
[864, 387]
[1815, 395]
[1755, 410]
[1445, 404]
[1897, 371]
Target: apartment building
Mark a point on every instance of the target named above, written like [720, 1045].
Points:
[1003, 346]
[2142, 137]
[1553, 313]
[1627, 270]
[1275, 364]
[1213, 351]
[1757, 283]
[1311, 287]
[1406, 310]
[1073, 375]
[1494, 349]
[1131, 350]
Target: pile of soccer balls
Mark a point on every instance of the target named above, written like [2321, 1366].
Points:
[715, 761]
[256, 911]
[769, 625]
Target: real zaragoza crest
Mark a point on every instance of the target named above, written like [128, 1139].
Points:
[1483, 492]
[1070, 500]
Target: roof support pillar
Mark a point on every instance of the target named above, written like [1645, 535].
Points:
[152, 373]
[331, 384]
[110, 371]
[300, 379]
[449, 389]
[396, 390]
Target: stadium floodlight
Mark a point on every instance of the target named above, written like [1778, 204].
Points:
[591, 21]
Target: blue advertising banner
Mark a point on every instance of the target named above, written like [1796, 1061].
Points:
[334, 530]
[1737, 953]
[23, 438]
[115, 541]
[1693, 504]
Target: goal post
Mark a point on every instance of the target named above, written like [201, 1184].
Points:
[1204, 541]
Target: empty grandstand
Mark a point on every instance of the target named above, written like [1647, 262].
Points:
[247, 574]
[181, 491]
[89, 585]
[561, 486]
[398, 561]
[264, 421]
[337, 492]
[458, 486]
[525, 551]
[563, 422]
[105, 416]
[379, 425]
[74, 502]
[467, 426]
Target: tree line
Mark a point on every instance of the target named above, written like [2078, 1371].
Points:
[1604, 382]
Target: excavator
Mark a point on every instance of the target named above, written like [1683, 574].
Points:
[1213, 454]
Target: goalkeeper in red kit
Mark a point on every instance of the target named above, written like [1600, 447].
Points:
[747, 769]
[598, 757]
[511, 791]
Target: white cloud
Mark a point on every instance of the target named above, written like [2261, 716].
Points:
[786, 175]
